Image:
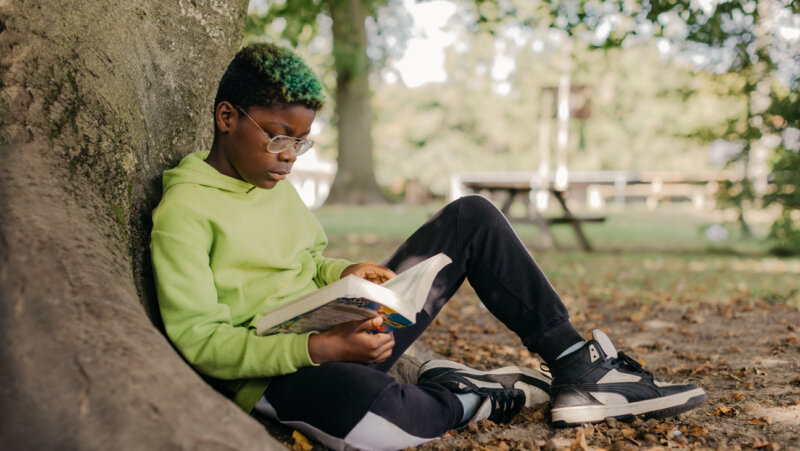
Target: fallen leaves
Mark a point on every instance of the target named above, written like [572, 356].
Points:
[716, 346]
[499, 444]
[691, 355]
[705, 368]
[724, 411]
[579, 444]
[759, 421]
[758, 444]
[742, 372]
[696, 431]
[530, 415]
[300, 442]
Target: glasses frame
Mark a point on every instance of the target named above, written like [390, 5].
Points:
[300, 145]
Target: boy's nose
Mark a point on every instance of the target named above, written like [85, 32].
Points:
[289, 154]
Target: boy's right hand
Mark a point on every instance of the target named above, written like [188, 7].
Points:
[353, 341]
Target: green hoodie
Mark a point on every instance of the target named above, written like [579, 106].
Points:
[224, 251]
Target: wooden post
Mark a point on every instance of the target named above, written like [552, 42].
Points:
[563, 115]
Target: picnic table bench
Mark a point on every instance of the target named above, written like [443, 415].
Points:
[514, 189]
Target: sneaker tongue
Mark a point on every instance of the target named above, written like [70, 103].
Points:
[605, 343]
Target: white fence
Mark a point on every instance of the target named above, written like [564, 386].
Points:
[312, 178]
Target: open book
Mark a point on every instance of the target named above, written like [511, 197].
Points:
[352, 298]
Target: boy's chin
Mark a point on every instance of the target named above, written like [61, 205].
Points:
[266, 184]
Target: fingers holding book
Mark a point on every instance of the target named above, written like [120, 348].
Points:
[352, 341]
[370, 271]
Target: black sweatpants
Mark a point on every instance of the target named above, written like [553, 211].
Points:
[350, 405]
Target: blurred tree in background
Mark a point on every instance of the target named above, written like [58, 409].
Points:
[299, 21]
[643, 114]
[758, 42]
[672, 79]
[755, 41]
[785, 192]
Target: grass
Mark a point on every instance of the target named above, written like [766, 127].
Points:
[673, 228]
[660, 254]
[385, 221]
[682, 277]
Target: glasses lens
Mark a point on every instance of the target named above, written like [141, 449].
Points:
[303, 146]
[283, 143]
[280, 144]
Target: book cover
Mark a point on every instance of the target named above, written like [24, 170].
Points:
[341, 310]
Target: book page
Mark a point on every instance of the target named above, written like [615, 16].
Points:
[348, 287]
[398, 300]
[338, 311]
[414, 284]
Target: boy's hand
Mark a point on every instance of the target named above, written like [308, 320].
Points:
[352, 342]
[370, 271]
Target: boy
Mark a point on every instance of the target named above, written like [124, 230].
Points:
[230, 239]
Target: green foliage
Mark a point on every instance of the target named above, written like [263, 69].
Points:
[298, 16]
[785, 231]
[785, 234]
[745, 29]
[662, 116]
[640, 119]
[572, 16]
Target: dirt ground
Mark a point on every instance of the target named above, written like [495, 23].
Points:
[746, 355]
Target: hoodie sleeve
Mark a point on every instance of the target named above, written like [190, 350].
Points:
[329, 270]
[200, 326]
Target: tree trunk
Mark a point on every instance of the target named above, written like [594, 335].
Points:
[355, 178]
[98, 98]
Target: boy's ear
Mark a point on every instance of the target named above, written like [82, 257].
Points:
[225, 115]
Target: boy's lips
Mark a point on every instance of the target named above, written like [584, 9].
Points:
[278, 175]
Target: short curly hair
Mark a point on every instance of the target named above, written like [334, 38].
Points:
[269, 76]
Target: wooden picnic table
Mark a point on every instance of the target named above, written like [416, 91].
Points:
[513, 190]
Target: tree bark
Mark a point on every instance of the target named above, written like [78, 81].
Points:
[98, 98]
[355, 178]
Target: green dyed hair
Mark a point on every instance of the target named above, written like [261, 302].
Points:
[269, 76]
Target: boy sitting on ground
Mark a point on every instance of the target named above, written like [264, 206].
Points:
[231, 238]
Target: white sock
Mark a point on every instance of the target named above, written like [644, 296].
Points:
[470, 402]
[571, 349]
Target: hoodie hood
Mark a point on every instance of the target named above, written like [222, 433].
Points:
[194, 170]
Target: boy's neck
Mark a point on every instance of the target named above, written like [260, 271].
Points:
[214, 159]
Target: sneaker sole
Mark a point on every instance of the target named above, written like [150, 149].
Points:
[650, 408]
[536, 385]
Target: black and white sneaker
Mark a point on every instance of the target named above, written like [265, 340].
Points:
[596, 382]
[505, 390]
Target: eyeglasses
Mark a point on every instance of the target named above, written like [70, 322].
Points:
[281, 143]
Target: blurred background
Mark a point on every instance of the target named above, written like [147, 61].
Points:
[660, 137]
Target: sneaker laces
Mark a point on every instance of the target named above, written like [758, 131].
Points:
[506, 404]
[630, 364]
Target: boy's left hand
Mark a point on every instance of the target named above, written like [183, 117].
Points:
[352, 341]
[370, 271]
